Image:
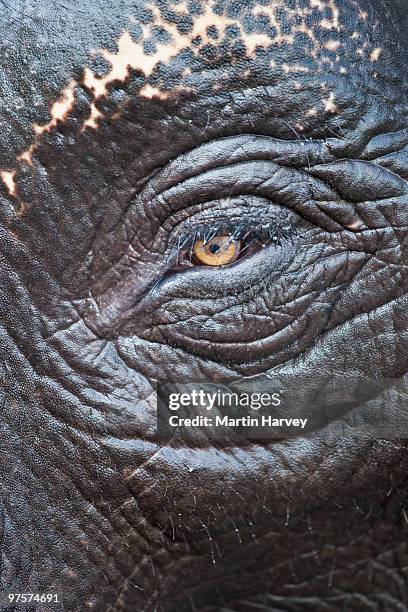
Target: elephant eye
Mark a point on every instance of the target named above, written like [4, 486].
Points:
[222, 246]
[220, 251]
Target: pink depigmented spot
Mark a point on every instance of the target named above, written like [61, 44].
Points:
[293, 68]
[153, 92]
[27, 156]
[332, 45]
[312, 112]
[180, 8]
[92, 119]
[252, 41]
[375, 54]
[22, 209]
[8, 178]
[356, 225]
[59, 110]
[329, 104]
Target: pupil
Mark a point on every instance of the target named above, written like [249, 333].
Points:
[214, 248]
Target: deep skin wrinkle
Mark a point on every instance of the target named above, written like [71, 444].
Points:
[121, 127]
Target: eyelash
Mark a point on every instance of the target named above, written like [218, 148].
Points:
[248, 232]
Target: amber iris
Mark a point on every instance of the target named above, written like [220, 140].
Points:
[220, 251]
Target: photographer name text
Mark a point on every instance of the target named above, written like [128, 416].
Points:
[226, 421]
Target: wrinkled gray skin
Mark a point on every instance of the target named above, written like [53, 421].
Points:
[290, 108]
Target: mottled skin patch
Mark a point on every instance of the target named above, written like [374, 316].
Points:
[281, 24]
[8, 179]
[290, 108]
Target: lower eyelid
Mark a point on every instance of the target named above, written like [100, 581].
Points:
[209, 282]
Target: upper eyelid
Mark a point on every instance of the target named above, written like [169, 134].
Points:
[239, 230]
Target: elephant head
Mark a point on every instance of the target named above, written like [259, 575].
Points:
[199, 190]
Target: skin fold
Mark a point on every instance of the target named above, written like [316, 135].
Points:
[123, 124]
